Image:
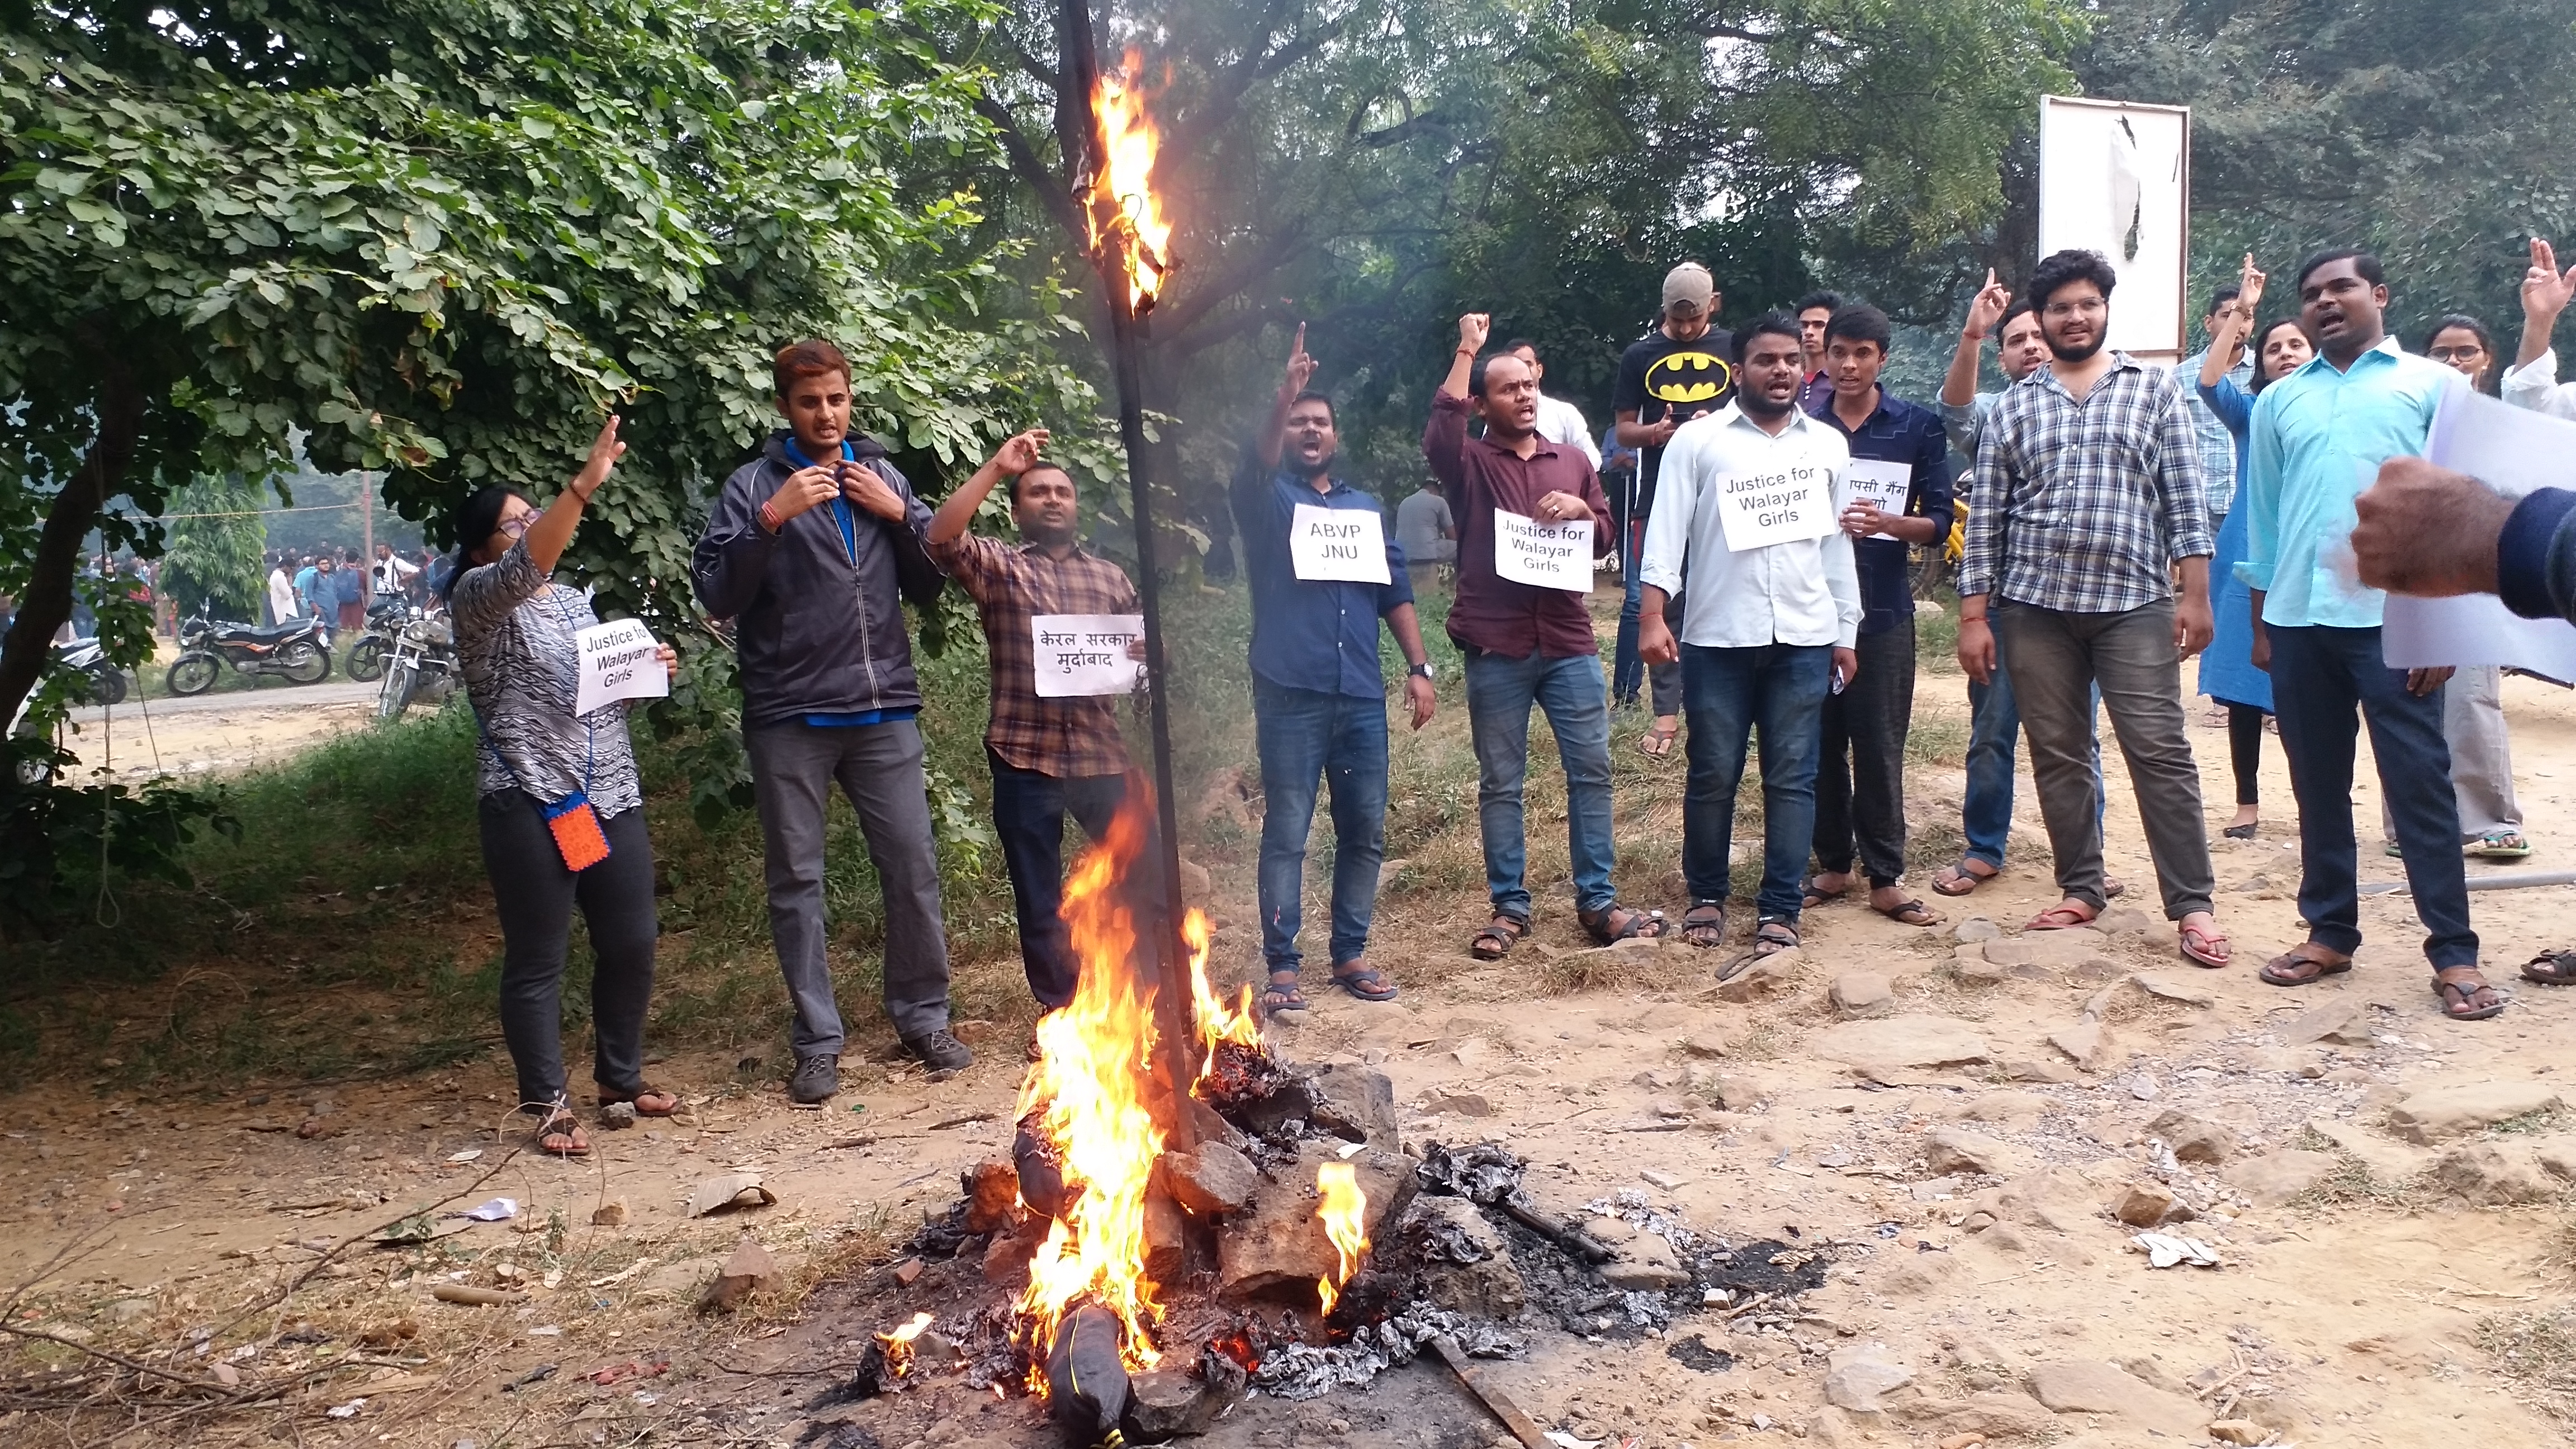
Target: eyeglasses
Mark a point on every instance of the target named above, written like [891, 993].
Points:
[2085, 307]
[514, 528]
[2465, 352]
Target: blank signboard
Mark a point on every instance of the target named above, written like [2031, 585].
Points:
[2116, 178]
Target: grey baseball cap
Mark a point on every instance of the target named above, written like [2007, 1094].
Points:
[1690, 287]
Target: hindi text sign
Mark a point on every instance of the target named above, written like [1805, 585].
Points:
[1888, 485]
[1086, 654]
[619, 660]
[1344, 545]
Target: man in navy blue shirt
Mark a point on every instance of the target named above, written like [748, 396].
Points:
[1860, 786]
[1318, 698]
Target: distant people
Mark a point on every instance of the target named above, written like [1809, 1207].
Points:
[1860, 777]
[1318, 698]
[1429, 533]
[2088, 504]
[1559, 422]
[1766, 633]
[281, 591]
[2319, 435]
[1813, 312]
[2227, 672]
[811, 549]
[350, 586]
[561, 813]
[394, 575]
[1675, 373]
[1527, 645]
[321, 594]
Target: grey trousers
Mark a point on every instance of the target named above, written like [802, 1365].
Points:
[2056, 658]
[879, 766]
[2481, 756]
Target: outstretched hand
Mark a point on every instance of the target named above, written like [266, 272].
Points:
[2546, 290]
[1301, 368]
[605, 450]
[1989, 305]
[1021, 452]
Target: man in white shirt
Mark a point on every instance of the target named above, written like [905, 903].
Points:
[1559, 421]
[281, 593]
[392, 573]
[1768, 627]
[2533, 383]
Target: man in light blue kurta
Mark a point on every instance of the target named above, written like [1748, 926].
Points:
[2318, 438]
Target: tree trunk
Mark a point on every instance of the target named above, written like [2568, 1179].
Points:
[48, 602]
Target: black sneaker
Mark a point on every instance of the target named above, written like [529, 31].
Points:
[816, 1079]
[939, 1051]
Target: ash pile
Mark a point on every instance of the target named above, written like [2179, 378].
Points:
[1296, 1250]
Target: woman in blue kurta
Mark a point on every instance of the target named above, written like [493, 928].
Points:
[2227, 672]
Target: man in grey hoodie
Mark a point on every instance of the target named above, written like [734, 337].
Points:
[809, 549]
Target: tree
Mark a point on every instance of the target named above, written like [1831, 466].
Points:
[212, 559]
[446, 236]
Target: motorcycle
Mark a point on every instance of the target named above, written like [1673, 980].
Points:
[106, 681]
[385, 619]
[421, 665]
[292, 650]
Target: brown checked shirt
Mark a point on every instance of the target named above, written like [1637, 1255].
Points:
[1011, 585]
[1479, 475]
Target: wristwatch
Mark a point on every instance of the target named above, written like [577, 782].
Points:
[1421, 670]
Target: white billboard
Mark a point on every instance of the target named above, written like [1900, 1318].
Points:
[2115, 178]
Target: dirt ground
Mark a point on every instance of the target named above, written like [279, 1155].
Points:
[216, 734]
[1953, 1157]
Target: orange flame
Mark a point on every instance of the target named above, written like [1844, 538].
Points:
[898, 1344]
[1090, 1081]
[1344, 1210]
[1218, 1022]
[1127, 221]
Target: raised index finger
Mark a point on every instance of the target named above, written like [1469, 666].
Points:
[1299, 348]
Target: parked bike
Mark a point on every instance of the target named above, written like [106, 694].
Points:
[384, 620]
[106, 681]
[292, 650]
[421, 665]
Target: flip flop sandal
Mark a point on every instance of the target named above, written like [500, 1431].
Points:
[2457, 997]
[1949, 881]
[2060, 918]
[1771, 937]
[1640, 925]
[1497, 940]
[561, 1123]
[2242, 832]
[2503, 845]
[1658, 741]
[1911, 913]
[2551, 968]
[2290, 969]
[1282, 997]
[636, 1098]
[1704, 925]
[2113, 887]
[2206, 948]
[1365, 983]
[1817, 895]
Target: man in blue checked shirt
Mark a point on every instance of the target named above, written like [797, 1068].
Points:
[2318, 439]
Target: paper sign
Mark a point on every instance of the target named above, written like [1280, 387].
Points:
[1780, 505]
[1548, 555]
[2512, 450]
[619, 660]
[1886, 484]
[1086, 654]
[1347, 545]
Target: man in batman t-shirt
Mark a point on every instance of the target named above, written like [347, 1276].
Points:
[1675, 373]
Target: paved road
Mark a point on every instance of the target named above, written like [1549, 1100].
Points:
[266, 697]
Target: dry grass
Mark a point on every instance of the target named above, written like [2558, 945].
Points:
[2538, 1352]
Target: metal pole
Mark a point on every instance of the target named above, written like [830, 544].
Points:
[367, 549]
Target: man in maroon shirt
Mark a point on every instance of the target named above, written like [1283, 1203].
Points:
[1523, 506]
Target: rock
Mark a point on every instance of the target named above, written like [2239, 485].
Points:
[1977, 1419]
[312, 1127]
[730, 1190]
[2275, 1178]
[1763, 977]
[126, 1310]
[1732, 1091]
[1977, 928]
[2125, 921]
[2039, 1069]
[617, 1116]
[2344, 1022]
[1952, 1149]
[1976, 970]
[2053, 950]
[2164, 990]
[908, 1272]
[1856, 1377]
[1167, 1233]
[2086, 1043]
[1857, 994]
[1212, 1181]
[1664, 1180]
[973, 1030]
[749, 1270]
[2389, 1163]
[1356, 1104]
[1486, 1285]
[2193, 1139]
[1170, 1403]
[992, 1190]
[1280, 1244]
[2238, 1431]
[1705, 1044]
[2495, 1175]
[1645, 1265]
[1463, 1104]
[1007, 1257]
[2089, 1386]
[2018, 1109]
[1891, 1044]
[610, 1214]
[2441, 1113]
[1195, 886]
[2143, 1204]
[1210, 1127]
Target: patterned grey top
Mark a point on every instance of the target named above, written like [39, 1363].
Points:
[514, 641]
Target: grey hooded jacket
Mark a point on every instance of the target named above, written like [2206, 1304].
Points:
[819, 626]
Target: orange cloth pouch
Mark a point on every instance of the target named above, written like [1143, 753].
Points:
[576, 831]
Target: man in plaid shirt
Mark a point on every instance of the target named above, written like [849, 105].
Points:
[2089, 496]
[1050, 756]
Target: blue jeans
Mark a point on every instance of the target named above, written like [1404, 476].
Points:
[1780, 690]
[1985, 816]
[1028, 815]
[1306, 735]
[1629, 672]
[1500, 694]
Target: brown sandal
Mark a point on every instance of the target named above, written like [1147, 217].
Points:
[1497, 940]
[1958, 880]
[2295, 967]
[2459, 998]
[2551, 968]
[1704, 925]
[560, 1125]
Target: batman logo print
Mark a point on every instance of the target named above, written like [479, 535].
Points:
[1683, 378]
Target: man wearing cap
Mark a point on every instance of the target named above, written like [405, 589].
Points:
[1673, 374]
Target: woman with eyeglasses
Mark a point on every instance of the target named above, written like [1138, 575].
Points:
[2464, 345]
[562, 808]
[2229, 673]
